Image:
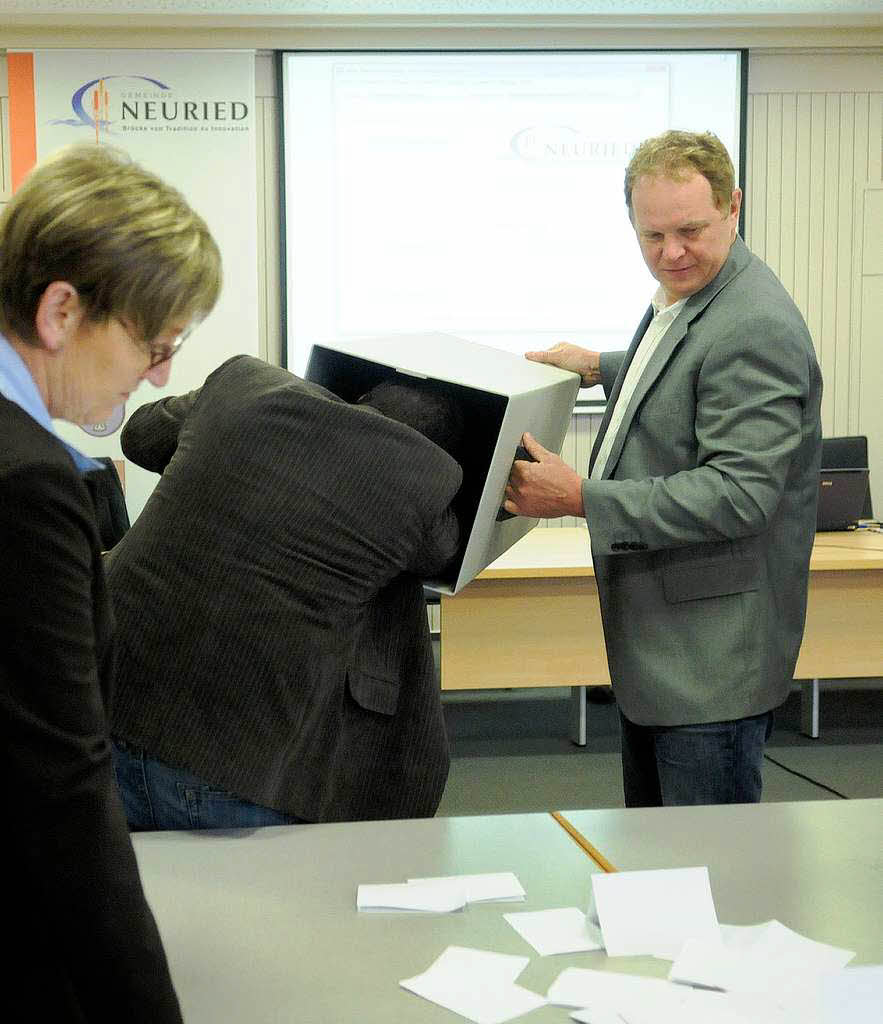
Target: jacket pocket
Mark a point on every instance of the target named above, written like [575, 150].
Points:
[374, 692]
[685, 582]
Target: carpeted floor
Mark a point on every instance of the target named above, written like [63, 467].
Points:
[511, 751]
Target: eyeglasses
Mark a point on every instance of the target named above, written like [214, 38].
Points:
[162, 353]
[159, 353]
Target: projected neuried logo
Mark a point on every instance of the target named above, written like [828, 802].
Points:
[560, 142]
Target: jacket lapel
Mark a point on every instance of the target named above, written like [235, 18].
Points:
[617, 385]
[737, 260]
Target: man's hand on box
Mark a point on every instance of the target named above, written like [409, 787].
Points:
[545, 489]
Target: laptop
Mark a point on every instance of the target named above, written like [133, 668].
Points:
[842, 494]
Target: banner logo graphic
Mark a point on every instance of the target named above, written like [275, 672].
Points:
[99, 104]
[146, 104]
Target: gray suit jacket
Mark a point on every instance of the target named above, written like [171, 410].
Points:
[272, 631]
[703, 524]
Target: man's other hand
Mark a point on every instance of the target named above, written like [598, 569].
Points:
[545, 489]
[571, 357]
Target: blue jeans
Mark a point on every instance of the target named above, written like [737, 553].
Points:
[157, 796]
[710, 763]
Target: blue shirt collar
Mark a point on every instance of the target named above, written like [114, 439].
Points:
[17, 384]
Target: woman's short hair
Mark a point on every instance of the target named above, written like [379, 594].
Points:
[128, 242]
[679, 155]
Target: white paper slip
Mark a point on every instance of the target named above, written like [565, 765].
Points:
[598, 1015]
[741, 936]
[502, 885]
[428, 898]
[770, 957]
[653, 912]
[563, 930]
[855, 994]
[477, 984]
[683, 1006]
[581, 987]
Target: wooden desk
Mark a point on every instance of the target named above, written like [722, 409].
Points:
[532, 619]
[261, 926]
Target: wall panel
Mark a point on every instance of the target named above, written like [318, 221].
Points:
[269, 277]
[812, 149]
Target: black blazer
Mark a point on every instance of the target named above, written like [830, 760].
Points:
[272, 629]
[109, 501]
[84, 946]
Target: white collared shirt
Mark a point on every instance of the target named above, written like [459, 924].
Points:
[17, 384]
[663, 318]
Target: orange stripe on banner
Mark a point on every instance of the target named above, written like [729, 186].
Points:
[22, 115]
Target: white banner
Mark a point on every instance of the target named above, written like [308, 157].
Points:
[189, 116]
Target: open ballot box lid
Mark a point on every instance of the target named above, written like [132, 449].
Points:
[502, 394]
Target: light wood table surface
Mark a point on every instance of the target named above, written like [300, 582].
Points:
[532, 619]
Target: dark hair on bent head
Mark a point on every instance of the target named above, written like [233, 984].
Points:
[426, 405]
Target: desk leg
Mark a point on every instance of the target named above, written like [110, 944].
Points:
[578, 715]
[809, 708]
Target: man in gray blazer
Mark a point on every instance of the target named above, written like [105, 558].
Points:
[702, 486]
[274, 661]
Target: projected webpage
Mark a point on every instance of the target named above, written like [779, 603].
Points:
[478, 194]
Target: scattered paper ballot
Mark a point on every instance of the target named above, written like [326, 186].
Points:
[700, 1006]
[682, 1006]
[429, 898]
[609, 998]
[583, 987]
[598, 1015]
[653, 913]
[760, 958]
[477, 984]
[501, 885]
[564, 930]
[855, 995]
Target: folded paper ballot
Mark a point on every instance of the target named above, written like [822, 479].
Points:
[851, 1004]
[440, 895]
[477, 984]
[767, 957]
[682, 1005]
[653, 913]
[581, 987]
[855, 994]
[428, 898]
[501, 885]
[598, 1015]
[564, 930]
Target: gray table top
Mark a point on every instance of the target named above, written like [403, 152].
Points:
[261, 926]
[816, 866]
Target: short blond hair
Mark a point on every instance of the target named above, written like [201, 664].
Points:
[678, 155]
[128, 242]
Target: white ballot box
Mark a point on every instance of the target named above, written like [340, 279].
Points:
[502, 394]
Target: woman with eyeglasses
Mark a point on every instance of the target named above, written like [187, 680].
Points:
[103, 268]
